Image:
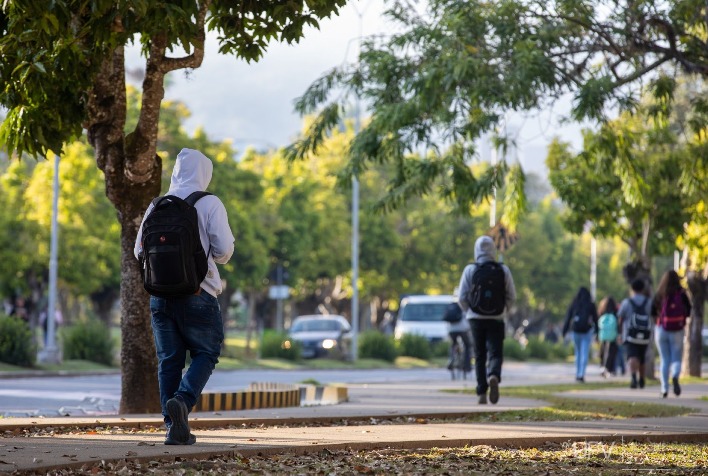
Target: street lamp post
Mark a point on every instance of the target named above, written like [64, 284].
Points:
[50, 352]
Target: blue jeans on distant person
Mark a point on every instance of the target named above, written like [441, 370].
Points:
[670, 345]
[582, 342]
[488, 339]
[193, 324]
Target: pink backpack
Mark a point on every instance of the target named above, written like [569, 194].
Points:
[673, 312]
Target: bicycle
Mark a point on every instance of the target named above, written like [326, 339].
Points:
[457, 367]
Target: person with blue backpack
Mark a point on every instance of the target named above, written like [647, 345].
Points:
[581, 319]
[608, 334]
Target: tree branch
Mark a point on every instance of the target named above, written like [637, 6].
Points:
[195, 59]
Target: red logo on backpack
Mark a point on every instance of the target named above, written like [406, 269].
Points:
[673, 313]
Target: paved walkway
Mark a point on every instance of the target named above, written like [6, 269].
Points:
[263, 432]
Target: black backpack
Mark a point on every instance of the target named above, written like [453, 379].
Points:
[453, 313]
[173, 260]
[582, 321]
[487, 294]
[639, 328]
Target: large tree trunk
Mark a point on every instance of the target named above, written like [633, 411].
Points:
[693, 351]
[132, 173]
[139, 386]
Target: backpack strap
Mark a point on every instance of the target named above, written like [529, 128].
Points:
[636, 306]
[192, 199]
[195, 196]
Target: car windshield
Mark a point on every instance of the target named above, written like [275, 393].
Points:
[315, 325]
[419, 312]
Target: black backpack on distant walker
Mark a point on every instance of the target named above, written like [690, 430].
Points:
[173, 260]
[487, 292]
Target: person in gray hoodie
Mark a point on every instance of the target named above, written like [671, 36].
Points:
[487, 330]
[192, 323]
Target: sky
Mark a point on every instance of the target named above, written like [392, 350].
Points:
[252, 104]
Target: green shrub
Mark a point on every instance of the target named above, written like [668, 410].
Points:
[375, 345]
[561, 351]
[413, 345]
[90, 340]
[538, 349]
[513, 350]
[16, 344]
[277, 345]
[441, 349]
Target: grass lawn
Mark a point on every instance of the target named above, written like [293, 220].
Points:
[565, 408]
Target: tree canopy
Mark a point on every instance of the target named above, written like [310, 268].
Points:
[62, 71]
[451, 72]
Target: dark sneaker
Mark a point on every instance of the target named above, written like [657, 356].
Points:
[641, 382]
[634, 382]
[664, 394]
[493, 389]
[482, 399]
[179, 433]
[170, 441]
[677, 387]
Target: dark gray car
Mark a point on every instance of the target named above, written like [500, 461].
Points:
[322, 336]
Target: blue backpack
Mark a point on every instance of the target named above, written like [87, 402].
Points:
[607, 327]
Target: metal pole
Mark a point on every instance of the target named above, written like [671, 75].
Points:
[493, 203]
[50, 353]
[279, 300]
[593, 268]
[355, 217]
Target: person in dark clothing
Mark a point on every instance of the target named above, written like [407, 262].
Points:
[487, 330]
[581, 319]
[458, 330]
[635, 351]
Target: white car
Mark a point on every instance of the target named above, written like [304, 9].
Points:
[423, 315]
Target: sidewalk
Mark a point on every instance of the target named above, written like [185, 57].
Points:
[229, 433]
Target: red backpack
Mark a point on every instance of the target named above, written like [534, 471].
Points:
[673, 312]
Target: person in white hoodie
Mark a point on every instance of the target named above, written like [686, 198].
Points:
[192, 323]
[487, 330]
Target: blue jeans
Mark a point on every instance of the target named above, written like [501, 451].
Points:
[670, 346]
[582, 342]
[488, 338]
[193, 324]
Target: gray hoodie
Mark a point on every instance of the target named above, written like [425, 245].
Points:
[192, 173]
[484, 250]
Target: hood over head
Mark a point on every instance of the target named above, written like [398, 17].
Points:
[485, 249]
[192, 172]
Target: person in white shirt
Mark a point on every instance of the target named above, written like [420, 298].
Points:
[190, 323]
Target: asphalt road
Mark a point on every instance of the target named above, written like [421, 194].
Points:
[100, 394]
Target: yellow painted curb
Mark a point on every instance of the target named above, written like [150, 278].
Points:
[271, 395]
[324, 395]
[248, 400]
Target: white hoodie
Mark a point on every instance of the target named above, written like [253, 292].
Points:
[192, 173]
[484, 250]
